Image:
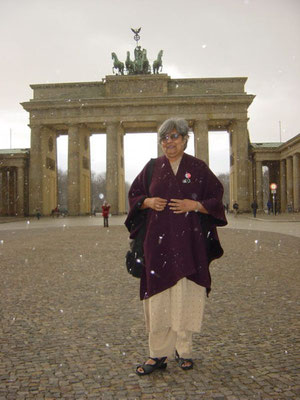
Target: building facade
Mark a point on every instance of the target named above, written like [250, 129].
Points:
[283, 161]
[122, 105]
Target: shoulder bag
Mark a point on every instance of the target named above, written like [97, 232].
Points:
[135, 256]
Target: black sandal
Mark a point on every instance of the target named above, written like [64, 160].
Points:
[149, 368]
[181, 361]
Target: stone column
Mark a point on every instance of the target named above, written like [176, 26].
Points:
[20, 191]
[282, 188]
[201, 140]
[85, 171]
[296, 182]
[289, 181]
[159, 149]
[259, 185]
[4, 192]
[48, 152]
[73, 170]
[115, 180]
[35, 172]
[233, 175]
[12, 191]
[121, 177]
[240, 164]
[1, 192]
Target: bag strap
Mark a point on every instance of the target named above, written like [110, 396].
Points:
[150, 172]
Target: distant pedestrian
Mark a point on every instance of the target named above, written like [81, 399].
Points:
[235, 208]
[269, 206]
[226, 207]
[254, 207]
[105, 213]
[275, 207]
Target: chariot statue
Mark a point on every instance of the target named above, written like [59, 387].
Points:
[140, 64]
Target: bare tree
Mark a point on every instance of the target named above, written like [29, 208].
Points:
[225, 180]
[98, 190]
[62, 185]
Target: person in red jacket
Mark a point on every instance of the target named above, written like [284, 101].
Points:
[105, 213]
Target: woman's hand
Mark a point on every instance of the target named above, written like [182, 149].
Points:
[186, 205]
[156, 203]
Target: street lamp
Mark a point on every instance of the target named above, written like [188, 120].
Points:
[273, 188]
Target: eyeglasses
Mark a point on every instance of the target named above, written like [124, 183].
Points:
[172, 136]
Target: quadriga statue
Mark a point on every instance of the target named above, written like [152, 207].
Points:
[157, 64]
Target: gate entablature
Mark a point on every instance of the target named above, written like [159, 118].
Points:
[141, 85]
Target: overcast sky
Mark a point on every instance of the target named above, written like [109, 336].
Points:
[44, 41]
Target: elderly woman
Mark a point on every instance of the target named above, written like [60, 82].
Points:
[176, 276]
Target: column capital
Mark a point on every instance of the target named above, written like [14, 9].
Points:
[113, 123]
[72, 126]
[240, 123]
[200, 122]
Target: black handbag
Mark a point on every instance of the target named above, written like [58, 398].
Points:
[135, 261]
[213, 246]
[135, 256]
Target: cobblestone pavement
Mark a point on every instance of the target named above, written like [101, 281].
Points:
[72, 324]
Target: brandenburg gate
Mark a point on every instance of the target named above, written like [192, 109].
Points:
[120, 105]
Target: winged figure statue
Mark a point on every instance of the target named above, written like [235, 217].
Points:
[136, 31]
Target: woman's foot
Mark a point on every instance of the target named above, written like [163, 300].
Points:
[151, 365]
[184, 363]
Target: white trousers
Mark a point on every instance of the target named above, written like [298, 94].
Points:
[165, 343]
[171, 318]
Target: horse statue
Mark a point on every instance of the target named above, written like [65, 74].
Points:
[157, 64]
[129, 64]
[145, 63]
[119, 65]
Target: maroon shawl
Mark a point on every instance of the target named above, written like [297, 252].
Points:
[175, 246]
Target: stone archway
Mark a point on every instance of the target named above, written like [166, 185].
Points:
[124, 104]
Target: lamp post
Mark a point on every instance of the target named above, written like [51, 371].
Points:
[273, 188]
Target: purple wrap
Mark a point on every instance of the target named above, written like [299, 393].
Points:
[175, 246]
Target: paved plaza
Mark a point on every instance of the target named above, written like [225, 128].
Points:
[72, 323]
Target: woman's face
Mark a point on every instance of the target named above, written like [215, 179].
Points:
[173, 146]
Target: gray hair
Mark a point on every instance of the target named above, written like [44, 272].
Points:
[180, 125]
[171, 124]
